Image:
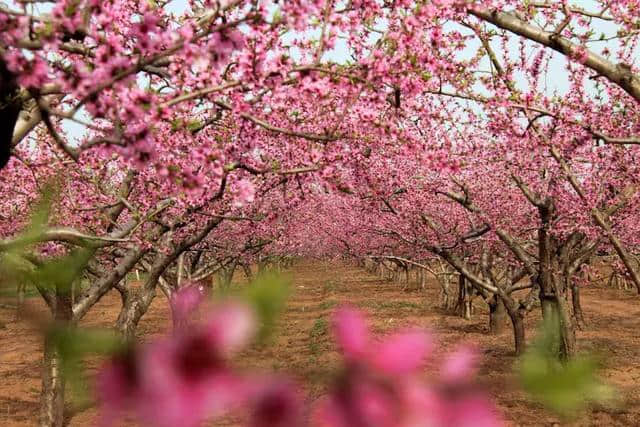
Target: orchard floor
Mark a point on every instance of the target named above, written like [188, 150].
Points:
[302, 344]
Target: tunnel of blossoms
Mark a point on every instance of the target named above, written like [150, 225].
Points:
[179, 178]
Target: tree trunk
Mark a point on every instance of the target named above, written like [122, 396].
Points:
[464, 301]
[180, 271]
[247, 272]
[554, 306]
[519, 334]
[620, 249]
[179, 323]
[517, 321]
[53, 384]
[225, 276]
[52, 394]
[567, 330]
[134, 306]
[445, 296]
[577, 307]
[127, 323]
[497, 315]
[555, 313]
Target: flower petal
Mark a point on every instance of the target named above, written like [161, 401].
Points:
[231, 327]
[473, 411]
[276, 402]
[351, 332]
[403, 353]
[460, 366]
[185, 302]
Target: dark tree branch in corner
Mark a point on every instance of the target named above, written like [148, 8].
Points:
[10, 106]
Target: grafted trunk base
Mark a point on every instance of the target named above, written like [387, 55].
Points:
[53, 384]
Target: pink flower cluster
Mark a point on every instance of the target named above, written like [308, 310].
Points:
[182, 379]
[245, 193]
[188, 378]
[381, 386]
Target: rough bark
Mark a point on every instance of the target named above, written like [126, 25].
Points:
[53, 384]
[464, 300]
[516, 315]
[554, 307]
[10, 106]
[577, 307]
[497, 315]
[556, 312]
[246, 268]
[106, 283]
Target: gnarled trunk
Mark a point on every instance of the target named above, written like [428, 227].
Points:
[246, 268]
[52, 394]
[134, 306]
[464, 299]
[497, 315]
[577, 307]
[553, 303]
[517, 321]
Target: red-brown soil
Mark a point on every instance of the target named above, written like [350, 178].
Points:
[301, 344]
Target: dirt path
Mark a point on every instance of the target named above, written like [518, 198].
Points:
[302, 343]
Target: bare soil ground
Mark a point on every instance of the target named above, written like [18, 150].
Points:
[302, 343]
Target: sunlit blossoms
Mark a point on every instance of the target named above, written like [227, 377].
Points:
[194, 139]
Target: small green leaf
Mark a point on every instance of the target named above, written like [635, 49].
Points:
[61, 272]
[268, 294]
[194, 125]
[564, 387]
[73, 346]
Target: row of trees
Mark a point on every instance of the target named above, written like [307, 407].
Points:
[496, 137]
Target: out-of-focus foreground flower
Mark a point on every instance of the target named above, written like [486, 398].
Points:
[187, 378]
[183, 379]
[380, 385]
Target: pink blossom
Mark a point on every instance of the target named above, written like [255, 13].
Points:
[460, 365]
[245, 193]
[183, 379]
[33, 73]
[185, 302]
[380, 385]
[351, 333]
[275, 402]
[118, 387]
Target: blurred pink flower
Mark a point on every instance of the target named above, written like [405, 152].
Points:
[275, 402]
[460, 365]
[380, 384]
[187, 378]
[184, 303]
[401, 353]
[184, 379]
[118, 386]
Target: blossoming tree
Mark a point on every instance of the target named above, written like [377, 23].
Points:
[496, 136]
